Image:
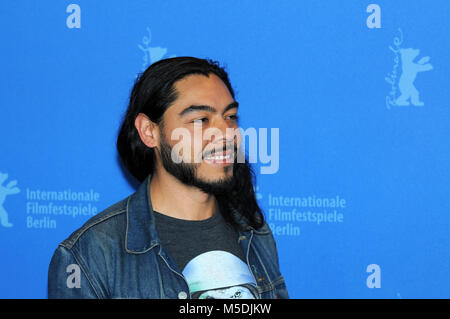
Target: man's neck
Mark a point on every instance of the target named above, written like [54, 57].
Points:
[172, 198]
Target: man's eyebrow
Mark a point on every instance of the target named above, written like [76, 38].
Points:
[231, 106]
[207, 108]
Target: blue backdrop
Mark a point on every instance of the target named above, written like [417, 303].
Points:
[359, 91]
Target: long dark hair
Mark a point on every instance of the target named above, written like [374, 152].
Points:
[152, 94]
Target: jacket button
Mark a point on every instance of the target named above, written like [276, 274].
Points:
[182, 295]
[242, 238]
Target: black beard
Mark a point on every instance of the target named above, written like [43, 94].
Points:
[187, 173]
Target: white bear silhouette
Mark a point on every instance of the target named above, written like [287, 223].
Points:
[9, 189]
[409, 73]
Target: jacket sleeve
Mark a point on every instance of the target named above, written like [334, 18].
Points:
[67, 279]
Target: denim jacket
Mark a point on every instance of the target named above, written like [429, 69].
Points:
[117, 254]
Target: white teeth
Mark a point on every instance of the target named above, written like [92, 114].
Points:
[218, 157]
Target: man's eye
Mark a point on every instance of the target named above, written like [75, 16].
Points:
[200, 120]
[233, 117]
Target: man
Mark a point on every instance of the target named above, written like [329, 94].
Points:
[193, 228]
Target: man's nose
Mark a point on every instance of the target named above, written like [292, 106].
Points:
[225, 132]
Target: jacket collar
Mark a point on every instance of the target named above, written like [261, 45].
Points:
[141, 234]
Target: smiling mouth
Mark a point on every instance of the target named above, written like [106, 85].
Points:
[221, 158]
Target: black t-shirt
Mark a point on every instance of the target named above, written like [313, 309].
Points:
[209, 256]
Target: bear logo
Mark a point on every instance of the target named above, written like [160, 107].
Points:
[9, 189]
[151, 54]
[409, 72]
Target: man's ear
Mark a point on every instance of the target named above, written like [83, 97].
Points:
[148, 130]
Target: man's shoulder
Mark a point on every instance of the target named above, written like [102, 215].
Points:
[263, 230]
[108, 221]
